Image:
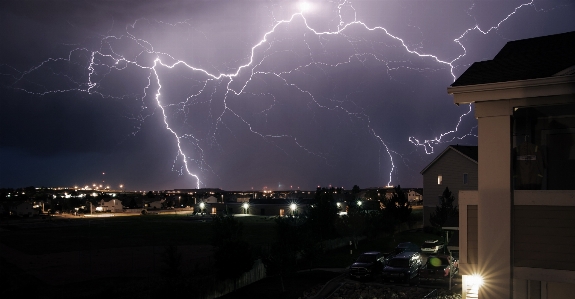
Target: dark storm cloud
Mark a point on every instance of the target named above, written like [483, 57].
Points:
[311, 110]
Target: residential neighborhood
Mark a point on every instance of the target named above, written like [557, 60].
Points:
[495, 219]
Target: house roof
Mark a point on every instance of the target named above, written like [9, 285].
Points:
[469, 152]
[532, 58]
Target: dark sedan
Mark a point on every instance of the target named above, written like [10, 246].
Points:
[368, 264]
[402, 267]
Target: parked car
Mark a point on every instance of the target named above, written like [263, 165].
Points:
[368, 264]
[408, 246]
[431, 246]
[402, 267]
[439, 268]
[400, 248]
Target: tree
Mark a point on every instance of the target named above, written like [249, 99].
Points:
[352, 225]
[444, 210]
[233, 255]
[397, 209]
[293, 238]
[323, 214]
[225, 228]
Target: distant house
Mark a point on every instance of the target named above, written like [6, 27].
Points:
[113, 205]
[23, 209]
[455, 168]
[156, 205]
[414, 196]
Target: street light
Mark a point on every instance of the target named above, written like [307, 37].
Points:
[293, 208]
[246, 206]
[202, 206]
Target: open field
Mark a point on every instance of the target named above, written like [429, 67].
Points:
[123, 255]
[59, 234]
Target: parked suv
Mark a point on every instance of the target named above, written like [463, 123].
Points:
[368, 264]
[402, 267]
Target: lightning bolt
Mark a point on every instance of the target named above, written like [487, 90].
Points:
[209, 83]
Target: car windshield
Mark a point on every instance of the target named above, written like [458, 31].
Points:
[434, 261]
[399, 263]
[366, 258]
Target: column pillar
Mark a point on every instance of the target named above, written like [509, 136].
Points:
[495, 200]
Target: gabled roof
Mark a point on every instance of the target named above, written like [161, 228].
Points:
[532, 58]
[469, 152]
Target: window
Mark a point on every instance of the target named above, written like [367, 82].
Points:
[465, 179]
[439, 179]
[282, 212]
[544, 147]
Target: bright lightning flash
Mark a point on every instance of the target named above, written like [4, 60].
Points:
[209, 83]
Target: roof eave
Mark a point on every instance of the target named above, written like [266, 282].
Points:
[441, 154]
[549, 86]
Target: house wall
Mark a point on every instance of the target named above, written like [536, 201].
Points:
[472, 234]
[525, 237]
[114, 205]
[451, 166]
[544, 237]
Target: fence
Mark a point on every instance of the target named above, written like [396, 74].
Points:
[257, 272]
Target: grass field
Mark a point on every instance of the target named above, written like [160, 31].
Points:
[61, 234]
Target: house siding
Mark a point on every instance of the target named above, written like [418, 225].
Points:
[544, 237]
[451, 166]
[472, 232]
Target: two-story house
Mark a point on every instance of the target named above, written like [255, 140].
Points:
[455, 168]
[517, 231]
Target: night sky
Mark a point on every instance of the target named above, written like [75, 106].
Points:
[243, 94]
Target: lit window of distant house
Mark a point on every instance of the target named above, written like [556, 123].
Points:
[439, 179]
